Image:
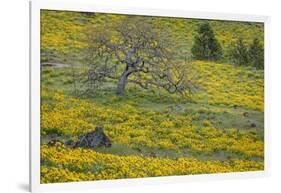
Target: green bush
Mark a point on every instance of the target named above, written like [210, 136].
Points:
[256, 54]
[239, 54]
[206, 46]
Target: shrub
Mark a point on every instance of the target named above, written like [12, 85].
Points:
[206, 46]
[239, 54]
[256, 54]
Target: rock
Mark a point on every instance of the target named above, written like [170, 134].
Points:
[253, 125]
[53, 142]
[53, 136]
[152, 154]
[94, 139]
[70, 143]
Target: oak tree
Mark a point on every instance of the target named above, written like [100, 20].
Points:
[135, 50]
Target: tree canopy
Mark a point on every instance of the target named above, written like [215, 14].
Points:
[256, 54]
[134, 50]
[239, 54]
[206, 46]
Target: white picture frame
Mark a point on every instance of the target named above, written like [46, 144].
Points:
[36, 6]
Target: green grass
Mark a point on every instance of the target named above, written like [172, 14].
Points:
[227, 97]
[64, 30]
[223, 121]
[203, 114]
[220, 116]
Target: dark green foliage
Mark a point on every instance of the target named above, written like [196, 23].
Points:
[253, 55]
[239, 54]
[256, 54]
[206, 46]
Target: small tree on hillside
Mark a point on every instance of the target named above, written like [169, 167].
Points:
[206, 46]
[256, 54]
[134, 50]
[239, 54]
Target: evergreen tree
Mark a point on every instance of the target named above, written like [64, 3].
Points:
[206, 46]
[239, 54]
[256, 54]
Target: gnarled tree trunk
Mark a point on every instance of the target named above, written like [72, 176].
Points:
[123, 80]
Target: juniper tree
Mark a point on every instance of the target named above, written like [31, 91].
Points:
[239, 54]
[206, 46]
[256, 54]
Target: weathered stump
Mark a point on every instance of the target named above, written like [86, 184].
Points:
[94, 139]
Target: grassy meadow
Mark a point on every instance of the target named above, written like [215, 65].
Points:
[218, 129]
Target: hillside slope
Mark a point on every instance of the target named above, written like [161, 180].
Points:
[61, 31]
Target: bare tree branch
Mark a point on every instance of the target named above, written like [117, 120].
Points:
[134, 50]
